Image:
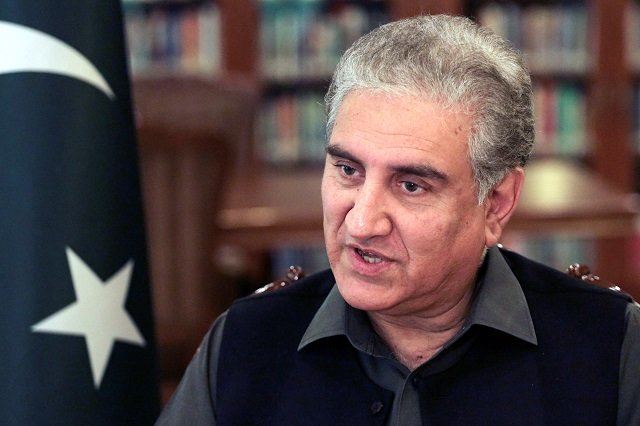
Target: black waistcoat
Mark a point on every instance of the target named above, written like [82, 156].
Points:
[569, 378]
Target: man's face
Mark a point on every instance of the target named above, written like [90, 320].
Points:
[403, 228]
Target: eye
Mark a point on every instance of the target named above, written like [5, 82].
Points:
[347, 170]
[411, 187]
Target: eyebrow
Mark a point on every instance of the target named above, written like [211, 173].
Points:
[424, 171]
[338, 151]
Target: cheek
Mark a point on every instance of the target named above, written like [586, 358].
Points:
[334, 208]
[336, 203]
[468, 233]
[329, 210]
[437, 232]
[430, 238]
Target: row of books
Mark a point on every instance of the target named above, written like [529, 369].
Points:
[301, 41]
[636, 118]
[292, 128]
[176, 38]
[635, 245]
[558, 251]
[560, 118]
[553, 37]
[311, 258]
[633, 36]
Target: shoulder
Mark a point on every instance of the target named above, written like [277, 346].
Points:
[270, 324]
[559, 302]
[313, 286]
[537, 278]
[289, 307]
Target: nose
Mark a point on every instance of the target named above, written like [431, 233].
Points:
[369, 216]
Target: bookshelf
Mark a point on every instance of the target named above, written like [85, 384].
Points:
[633, 62]
[300, 43]
[588, 100]
[581, 58]
[173, 37]
[553, 38]
[566, 208]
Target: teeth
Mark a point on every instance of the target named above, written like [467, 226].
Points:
[369, 258]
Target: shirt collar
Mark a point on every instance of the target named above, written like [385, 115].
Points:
[499, 304]
[330, 320]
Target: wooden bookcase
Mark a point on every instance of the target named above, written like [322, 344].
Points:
[608, 85]
[265, 208]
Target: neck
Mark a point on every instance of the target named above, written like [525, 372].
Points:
[415, 339]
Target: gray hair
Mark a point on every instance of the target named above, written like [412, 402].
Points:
[459, 64]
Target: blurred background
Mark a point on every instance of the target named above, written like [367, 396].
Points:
[228, 100]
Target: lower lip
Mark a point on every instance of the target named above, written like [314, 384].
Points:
[362, 267]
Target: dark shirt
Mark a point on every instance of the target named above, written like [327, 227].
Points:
[499, 303]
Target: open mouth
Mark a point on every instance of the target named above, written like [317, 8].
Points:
[369, 257]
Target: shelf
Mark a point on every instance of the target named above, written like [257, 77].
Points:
[164, 3]
[174, 37]
[561, 197]
[271, 209]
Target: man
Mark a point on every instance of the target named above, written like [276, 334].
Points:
[422, 318]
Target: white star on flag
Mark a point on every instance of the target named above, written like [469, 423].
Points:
[98, 314]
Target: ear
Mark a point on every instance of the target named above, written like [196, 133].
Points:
[501, 203]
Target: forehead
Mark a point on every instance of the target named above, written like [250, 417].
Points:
[402, 127]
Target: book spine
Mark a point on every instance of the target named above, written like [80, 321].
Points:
[174, 38]
[553, 37]
[293, 129]
[311, 258]
[558, 251]
[301, 43]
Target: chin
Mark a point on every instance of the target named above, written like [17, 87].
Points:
[361, 293]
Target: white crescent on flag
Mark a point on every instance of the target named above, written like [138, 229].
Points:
[24, 49]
